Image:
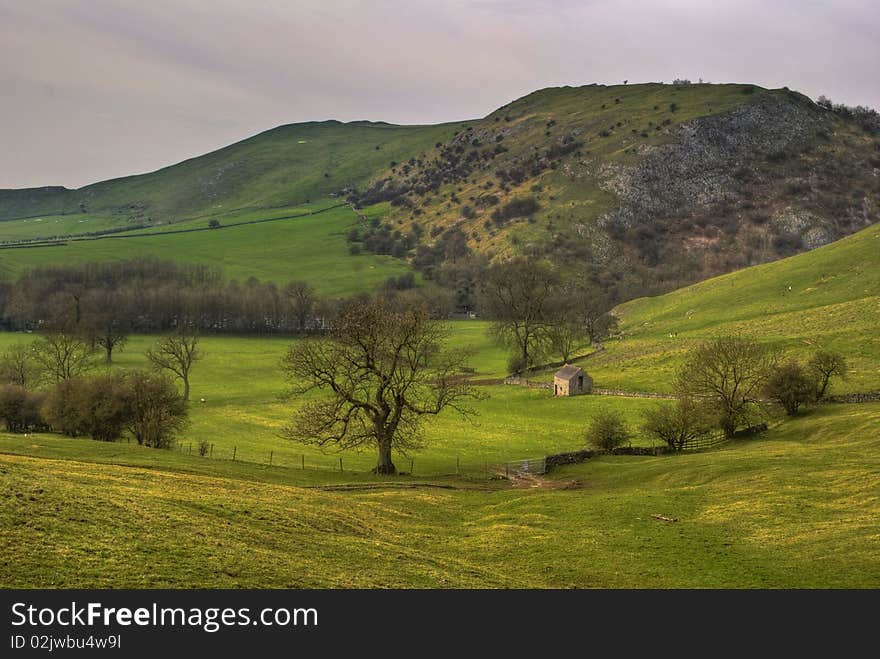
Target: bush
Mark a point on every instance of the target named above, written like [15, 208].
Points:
[158, 412]
[204, 447]
[101, 406]
[607, 430]
[60, 410]
[522, 207]
[790, 387]
[20, 409]
[677, 423]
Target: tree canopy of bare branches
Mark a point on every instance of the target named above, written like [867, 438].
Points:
[177, 353]
[384, 370]
[519, 295]
[63, 355]
[728, 372]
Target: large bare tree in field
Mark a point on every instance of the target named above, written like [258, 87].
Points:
[384, 371]
[177, 353]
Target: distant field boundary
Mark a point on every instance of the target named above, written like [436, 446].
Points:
[121, 233]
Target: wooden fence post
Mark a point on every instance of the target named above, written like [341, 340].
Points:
[234, 451]
[340, 465]
[211, 454]
[270, 456]
[303, 460]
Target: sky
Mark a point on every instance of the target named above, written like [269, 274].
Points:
[94, 89]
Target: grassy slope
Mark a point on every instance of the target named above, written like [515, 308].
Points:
[281, 167]
[833, 302]
[312, 248]
[797, 509]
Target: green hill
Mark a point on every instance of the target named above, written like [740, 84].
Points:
[641, 188]
[285, 166]
[829, 298]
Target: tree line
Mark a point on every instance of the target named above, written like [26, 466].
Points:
[105, 300]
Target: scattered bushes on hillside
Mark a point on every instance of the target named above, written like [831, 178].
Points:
[607, 430]
[521, 207]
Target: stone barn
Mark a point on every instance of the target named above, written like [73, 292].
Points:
[571, 381]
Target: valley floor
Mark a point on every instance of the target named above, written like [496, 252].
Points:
[795, 509]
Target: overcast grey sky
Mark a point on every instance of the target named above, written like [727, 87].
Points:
[92, 89]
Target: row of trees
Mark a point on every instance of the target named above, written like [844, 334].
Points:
[107, 301]
[145, 404]
[724, 385]
[62, 355]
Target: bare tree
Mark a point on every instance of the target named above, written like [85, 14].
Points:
[823, 366]
[518, 295]
[63, 355]
[18, 366]
[385, 370]
[177, 353]
[729, 373]
[678, 423]
[302, 300]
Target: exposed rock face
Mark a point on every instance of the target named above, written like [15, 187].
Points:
[708, 158]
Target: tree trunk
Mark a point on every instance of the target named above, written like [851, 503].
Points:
[109, 349]
[185, 388]
[385, 466]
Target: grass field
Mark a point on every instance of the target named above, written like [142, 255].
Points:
[242, 382]
[796, 509]
[311, 248]
[828, 298]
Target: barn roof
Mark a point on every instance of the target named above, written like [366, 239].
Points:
[568, 371]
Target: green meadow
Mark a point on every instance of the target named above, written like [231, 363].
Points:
[828, 298]
[795, 509]
[305, 247]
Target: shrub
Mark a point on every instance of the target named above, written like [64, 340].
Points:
[20, 409]
[677, 423]
[60, 409]
[204, 447]
[790, 387]
[607, 430]
[158, 412]
[522, 207]
[101, 406]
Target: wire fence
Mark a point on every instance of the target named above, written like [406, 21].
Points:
[362, 464]
[409, 465]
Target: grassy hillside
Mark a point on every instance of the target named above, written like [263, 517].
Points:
[797, 509]
[281, 167]
[640, 188]
[828, 298]
[303, 246]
